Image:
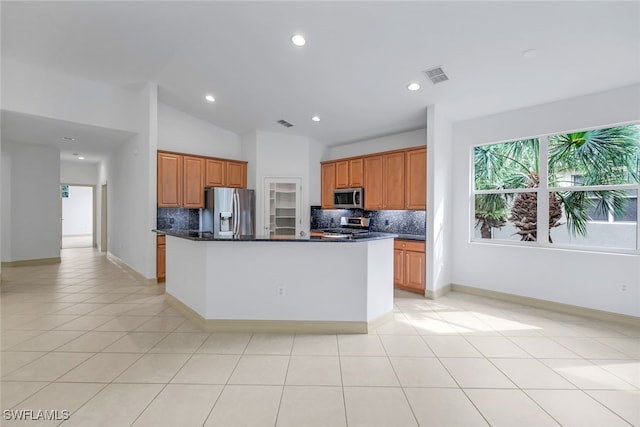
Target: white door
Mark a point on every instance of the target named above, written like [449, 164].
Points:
[282, 206]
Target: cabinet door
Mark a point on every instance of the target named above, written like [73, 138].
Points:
[393, 182]
[415, 270]
[398, 267]
[342, 174]
[236, 174]
[161, 258]
[356, 172]
[169, 180]
[328, 171]
[193, 182]
[416, 179]
[215, 173]
[373, 183]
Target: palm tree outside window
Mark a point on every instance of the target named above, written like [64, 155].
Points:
[591, 180]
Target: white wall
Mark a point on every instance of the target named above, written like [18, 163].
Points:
[317, 152]
[397, 141]
[79, 173]
[131, 172]
[586, 279]
[439, 185]
[180, 132]
[77, 211]
[279, 155]
[31, 202]
[47, 93]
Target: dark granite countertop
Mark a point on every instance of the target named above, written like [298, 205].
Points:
[417, 237]
[209, 237]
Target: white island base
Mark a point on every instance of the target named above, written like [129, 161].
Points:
[280, 286]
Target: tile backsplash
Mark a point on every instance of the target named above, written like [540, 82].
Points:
[178, 219]
[400, 222]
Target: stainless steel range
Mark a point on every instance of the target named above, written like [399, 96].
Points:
[349, 226]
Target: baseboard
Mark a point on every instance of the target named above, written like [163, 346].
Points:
[139, 277]
[440, 292]
[276, 326]
[591, 313]
[28, 262]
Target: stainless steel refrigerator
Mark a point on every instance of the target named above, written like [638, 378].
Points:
[229, 212]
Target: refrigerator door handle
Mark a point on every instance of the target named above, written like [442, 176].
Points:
[236, 213]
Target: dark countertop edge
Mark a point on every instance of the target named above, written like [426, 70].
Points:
[207, 237]
[417, 237]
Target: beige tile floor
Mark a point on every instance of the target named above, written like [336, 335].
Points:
[85, 337]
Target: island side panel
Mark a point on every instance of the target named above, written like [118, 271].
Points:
[186, 273]
[380, 278]
[287, 281]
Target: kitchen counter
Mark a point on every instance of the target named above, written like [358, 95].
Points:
[271, 285]
[417, 237]
[209, 237]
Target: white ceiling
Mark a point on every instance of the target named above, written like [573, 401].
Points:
[354, 69]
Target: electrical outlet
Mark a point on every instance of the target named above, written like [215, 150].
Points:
[623, 288]
[281, 290]
[386, 222]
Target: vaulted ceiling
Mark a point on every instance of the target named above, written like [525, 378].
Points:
[353, 72]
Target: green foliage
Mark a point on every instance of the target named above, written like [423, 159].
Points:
[598, 157]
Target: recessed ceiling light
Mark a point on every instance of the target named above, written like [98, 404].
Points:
[81, 158]
[413, 86]
[529, 53]
[315, 118]
[298, 40]
[210, 98]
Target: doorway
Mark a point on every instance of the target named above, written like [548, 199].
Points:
[77, 216]
[282, 206]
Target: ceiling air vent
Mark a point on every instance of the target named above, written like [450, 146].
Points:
[436, 75]
[285, 123]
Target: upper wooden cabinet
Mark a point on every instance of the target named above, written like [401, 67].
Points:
[226, 173]
[373, 183]
[393, 181]
[236, 174]
[342, 174]
[193, 182]
[216, 173]
[416, 179]
[328, 172]
[356, 172]
[182, 178]
[349, 173]
[169, 180]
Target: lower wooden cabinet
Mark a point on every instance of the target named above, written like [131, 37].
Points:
[161, 258]
[409, 265]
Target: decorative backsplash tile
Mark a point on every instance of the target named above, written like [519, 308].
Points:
[400, 222]
[178, 219]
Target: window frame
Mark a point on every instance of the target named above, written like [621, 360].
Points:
[542, 190]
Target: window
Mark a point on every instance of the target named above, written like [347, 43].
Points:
[587, 186]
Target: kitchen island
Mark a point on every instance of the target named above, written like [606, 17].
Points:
[276, 284]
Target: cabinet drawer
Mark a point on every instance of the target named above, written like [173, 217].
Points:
[409, 245]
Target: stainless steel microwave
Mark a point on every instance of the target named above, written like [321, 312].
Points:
[348, 198]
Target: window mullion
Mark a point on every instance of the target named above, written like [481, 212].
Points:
[543, 192]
